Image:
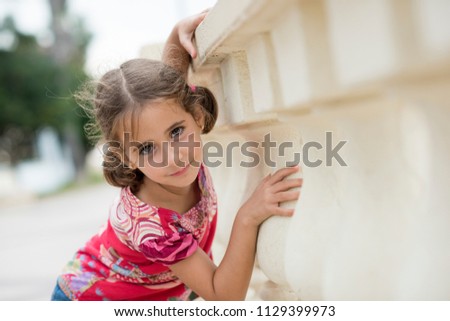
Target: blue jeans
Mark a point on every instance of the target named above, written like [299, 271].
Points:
[58, 294]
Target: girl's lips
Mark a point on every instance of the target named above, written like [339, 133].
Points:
[182, 171]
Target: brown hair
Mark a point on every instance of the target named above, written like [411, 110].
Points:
[126, 90]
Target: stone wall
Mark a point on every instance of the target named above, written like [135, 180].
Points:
[371, 75]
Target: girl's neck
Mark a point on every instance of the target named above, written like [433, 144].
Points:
[179, 199]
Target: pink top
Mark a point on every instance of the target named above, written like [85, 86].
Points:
[130, 258]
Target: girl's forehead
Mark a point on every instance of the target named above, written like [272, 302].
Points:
[152, 119]
[160, 112]
[164, 106]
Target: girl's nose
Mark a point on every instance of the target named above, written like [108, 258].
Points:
[176, 156]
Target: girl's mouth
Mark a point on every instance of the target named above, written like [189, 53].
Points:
[182, 171]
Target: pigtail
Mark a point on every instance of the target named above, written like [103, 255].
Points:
[117, 173]
[205, 98]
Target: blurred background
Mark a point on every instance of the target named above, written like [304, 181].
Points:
[52, 194]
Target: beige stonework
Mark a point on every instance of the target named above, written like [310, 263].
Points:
[373, 73]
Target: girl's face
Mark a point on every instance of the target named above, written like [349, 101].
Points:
[167, 147]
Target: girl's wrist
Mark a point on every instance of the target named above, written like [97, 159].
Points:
[246, 220]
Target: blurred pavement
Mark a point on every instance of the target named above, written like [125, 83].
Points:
[38, 237]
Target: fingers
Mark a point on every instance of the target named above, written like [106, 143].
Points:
[282, 173]
[186, 42]
[202, 15]
[287, 196]
[275, 208]
[272, 191]
[283, 211]
[287, 184]
[191, 23]
[195, 22]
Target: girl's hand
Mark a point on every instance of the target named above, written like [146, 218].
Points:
[186, 29]
[265, 200]
[179, 47]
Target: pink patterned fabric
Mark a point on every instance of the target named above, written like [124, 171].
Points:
[170, 249]
[129, 259]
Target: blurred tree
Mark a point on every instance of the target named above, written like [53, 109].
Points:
[68, 49]
[36, 84]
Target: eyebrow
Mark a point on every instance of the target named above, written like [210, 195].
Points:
[174, 125]
[168, 130]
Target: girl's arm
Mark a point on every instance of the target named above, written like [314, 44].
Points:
[179, 47]
[230, 280]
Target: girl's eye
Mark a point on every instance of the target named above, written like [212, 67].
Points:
[146, 149]
[176, 132]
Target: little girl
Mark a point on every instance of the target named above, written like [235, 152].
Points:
[157, 242]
